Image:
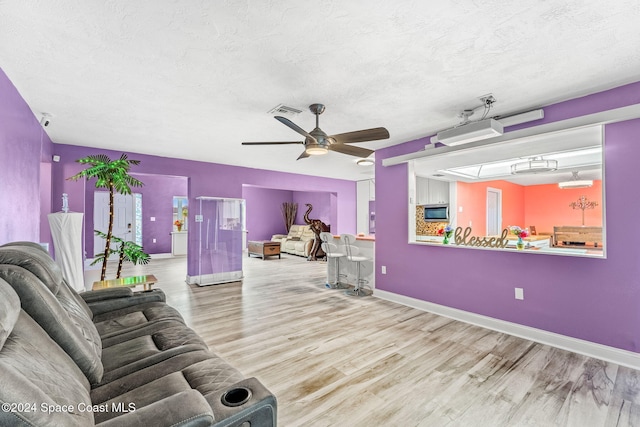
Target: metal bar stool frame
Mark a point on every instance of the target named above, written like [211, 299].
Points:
[332, 252]
[352, 255]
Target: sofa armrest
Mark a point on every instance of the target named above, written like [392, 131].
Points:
[231, 409]
[99, 307]
[187, 408]
[278, 237]
[105, 294]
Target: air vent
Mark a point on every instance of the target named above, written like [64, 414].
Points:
[437, 174]
[283, 109]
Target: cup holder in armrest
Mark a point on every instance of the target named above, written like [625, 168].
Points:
[236, 396]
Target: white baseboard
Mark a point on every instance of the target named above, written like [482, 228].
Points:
[587, 348]
[215, 278]
[158, 256]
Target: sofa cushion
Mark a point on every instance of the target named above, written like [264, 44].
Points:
[43, 267]
[36, 371]
[9, 310]
[71, 328]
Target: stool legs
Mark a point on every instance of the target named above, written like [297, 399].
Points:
[359, 291]
[336, 284]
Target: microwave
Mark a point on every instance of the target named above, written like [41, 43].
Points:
[436, 213]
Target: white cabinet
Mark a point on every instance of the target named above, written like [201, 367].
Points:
[179, 243]
[431, 191]
[438, 192]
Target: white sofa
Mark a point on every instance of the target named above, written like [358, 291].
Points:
[298, 242]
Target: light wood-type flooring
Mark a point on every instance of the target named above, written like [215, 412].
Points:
[335, 360]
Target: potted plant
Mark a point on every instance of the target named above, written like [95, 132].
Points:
[114, 176]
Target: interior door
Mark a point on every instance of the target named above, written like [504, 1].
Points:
[123, 219]
[494, 211]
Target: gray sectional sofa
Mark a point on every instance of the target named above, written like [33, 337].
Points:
[108, 358]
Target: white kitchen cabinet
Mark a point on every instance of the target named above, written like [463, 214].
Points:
[431, 191]
[438, 192]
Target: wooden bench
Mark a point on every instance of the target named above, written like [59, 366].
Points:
[577, 234]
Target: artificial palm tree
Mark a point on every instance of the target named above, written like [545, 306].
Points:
[127, 251]
[114, 176]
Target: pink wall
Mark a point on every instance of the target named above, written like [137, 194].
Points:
[473, 199]
[547, 206]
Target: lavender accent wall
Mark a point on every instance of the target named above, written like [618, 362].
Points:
[592, 299]
[23, 143]
[205, 179]
[322, 206]
[157, 201]
[264, 217]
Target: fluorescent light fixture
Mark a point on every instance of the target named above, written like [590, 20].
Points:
[534, 165]
[584, 183]
[516, 119]
[575, 182]
[365, 162]
[470, 132]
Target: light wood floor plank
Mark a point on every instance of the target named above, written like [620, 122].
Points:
[335, 360]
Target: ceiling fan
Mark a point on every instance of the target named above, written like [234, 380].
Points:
[318, 142]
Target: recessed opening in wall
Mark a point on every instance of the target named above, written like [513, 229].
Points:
[483, 196]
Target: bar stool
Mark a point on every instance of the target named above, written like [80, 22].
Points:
[332, 253]
[354, 257]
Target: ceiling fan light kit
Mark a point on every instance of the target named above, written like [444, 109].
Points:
[316, 150]
[470, 132]
[317, 142]
[534, 165]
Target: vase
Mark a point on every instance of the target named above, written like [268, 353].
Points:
[179, 227]
[447, 236]
[520, 244]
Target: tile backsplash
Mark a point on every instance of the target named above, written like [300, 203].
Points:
[424, 228]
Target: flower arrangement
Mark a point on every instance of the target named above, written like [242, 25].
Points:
[178, 223]
[520, 232]
[446, 232]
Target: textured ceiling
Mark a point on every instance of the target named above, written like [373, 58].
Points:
[192, 79]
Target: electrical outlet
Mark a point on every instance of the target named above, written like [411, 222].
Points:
[384, 269]
[153, 218]
[154, 240]
[519, 293]
[459, 208]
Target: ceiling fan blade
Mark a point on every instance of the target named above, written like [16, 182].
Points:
[294, 126]
[351, 150]
[304, 155]
[361, 135]
[272, 143]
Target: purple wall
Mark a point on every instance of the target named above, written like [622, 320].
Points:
[592, 299]
[157, 201]
[322, 206]
[23, 144]
[264, 217]
[205, 179]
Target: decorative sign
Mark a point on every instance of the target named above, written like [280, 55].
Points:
[464, 238]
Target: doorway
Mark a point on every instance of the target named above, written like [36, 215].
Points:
[127, 216]
[494, 211]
